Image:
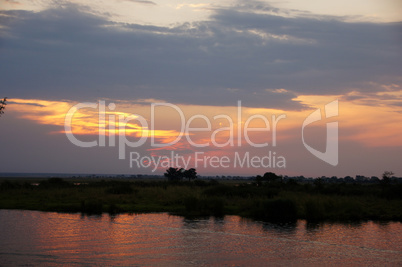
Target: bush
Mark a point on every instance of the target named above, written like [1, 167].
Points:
[191, 204]
[7, 185]
[91, 207]
[217, 190]
[114, 209]
[242, 191]
[54, 183]
[315, 210]
[204, 206]
[200, 183]
[120, 189]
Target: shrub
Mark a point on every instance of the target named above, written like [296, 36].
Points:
[217, 190]
[114, 209]
[204, 206]
[7, 185]
[91, 207]
[315, 210]
[282, 210]
[120, 189]
[54, 183]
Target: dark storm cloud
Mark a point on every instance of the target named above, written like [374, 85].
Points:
[67, 53]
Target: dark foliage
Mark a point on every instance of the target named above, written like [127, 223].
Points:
[174, 174]
[7, 185]
[204, 206]
[244, 191]
[190, 174]
[276, 201]
[3, 104]
[278, 210]
[315, 211]
[122, 188]
[91, 207]
[54, 183]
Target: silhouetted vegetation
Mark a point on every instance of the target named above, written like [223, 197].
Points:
[54, 183]
[91, 206]
[190, 174]
[269, 177]
[386, 177]
[276, 210]
[176, 174]
[120, 188]
[271, 199]
[203, 206]
[3, 104]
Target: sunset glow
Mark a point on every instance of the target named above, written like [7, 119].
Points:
[272, 126]
[103, 86]
[358, 121]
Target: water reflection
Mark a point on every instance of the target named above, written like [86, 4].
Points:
[280, 228]
[40, 238]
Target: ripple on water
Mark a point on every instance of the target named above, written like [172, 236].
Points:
[32, 237]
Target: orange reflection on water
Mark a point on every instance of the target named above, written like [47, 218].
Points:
[161, 239]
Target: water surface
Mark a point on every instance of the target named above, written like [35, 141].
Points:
[32, 238]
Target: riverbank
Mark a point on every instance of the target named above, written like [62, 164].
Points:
[270, 201]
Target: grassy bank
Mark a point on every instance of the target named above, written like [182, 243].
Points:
[271, 201]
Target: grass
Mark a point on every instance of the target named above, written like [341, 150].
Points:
[270, 202]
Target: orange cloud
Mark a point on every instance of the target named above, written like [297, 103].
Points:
[372, 120]
[85, 121]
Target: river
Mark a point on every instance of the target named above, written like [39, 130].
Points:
[32, 238]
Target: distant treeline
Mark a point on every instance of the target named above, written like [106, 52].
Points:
[359, 179]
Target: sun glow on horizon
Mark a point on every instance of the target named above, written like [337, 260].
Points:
[358, 121]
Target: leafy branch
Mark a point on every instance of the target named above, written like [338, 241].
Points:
[3, 105]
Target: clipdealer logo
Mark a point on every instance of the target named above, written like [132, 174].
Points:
[330, 155]
[238, 132]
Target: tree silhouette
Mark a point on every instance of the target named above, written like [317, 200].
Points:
[268, 177]
[259, 180]
[191, 174]
[386, 177]
[174, 174]
[3, 105]
[271, 177]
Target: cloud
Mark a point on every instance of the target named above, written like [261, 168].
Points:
[13, 2]
[67, 53]
[142, 2]
[390, 97]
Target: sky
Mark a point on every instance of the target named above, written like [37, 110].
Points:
[305, 87]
